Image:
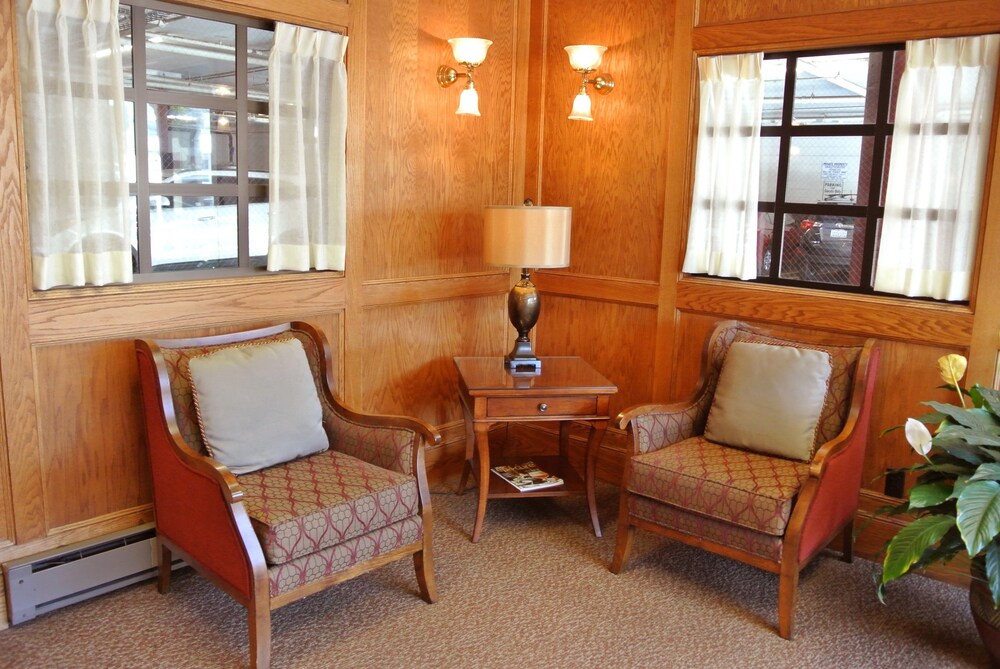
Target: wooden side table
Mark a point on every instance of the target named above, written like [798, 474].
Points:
[566, 390]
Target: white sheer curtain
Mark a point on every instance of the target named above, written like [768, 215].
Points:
[308, 109]
[74, 142]
[722, 232]
[939, 148]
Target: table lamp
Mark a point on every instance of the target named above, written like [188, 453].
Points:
[528, 237]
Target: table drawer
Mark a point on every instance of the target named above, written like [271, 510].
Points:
[529, 407]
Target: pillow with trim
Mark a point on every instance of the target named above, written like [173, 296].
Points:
[257, 404]
[769, 399]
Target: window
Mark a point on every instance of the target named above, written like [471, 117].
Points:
[826, 132]
[859, 170]
[196, 98]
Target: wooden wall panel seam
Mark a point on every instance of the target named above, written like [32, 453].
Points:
[607, 289]
[385, 292]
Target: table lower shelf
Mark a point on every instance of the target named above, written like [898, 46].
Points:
[573, 483]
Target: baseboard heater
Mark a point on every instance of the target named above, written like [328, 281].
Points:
[74, 573]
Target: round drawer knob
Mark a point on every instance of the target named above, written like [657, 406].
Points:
[543, 407]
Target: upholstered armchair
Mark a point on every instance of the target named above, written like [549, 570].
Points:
[763, 464]
[265, 483]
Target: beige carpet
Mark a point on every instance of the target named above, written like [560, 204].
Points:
[535, 592]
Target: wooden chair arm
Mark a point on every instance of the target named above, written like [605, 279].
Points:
[388, 441]
[654, 426]
[829, 498]
[197, 501]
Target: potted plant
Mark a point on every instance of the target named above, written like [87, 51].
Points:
[956, 498]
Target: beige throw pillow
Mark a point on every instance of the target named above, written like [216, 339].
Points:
[257, 405]
[769, 399]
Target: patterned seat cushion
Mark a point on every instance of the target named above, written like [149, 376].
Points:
[766, 546]
[748, 489]
[286, 577]
[313, 503]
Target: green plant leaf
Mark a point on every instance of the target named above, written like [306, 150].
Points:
[910, 543]
[992, 564]
[946, 468]
[978, 419]
[988, 471]
[948, 547]
[929, 494]
[985, 397]
[980, 436]
[978, 514]
[958, 448]
[960, 484]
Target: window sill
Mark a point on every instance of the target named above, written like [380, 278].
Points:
[872, 315]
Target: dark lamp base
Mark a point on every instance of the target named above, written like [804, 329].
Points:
[523, 307]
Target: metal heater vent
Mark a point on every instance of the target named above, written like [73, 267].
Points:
[70, 574]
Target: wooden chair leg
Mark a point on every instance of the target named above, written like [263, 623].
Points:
[848, 541]
[623, 545]
[424, 565]
[623, 542]
[259, 625]
[788, 587]
[163, 577]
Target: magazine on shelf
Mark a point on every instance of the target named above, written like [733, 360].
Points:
[526, 476]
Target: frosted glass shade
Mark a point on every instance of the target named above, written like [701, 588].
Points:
[581, 108]
[468, 102]
[469, 50]
[526, 237]
[585, 57]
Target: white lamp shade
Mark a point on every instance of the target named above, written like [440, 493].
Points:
[468, 102]
[585, 57]
[581, 108]
[469, 50]
[527, 237]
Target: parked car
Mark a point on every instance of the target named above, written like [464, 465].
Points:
[828, 245]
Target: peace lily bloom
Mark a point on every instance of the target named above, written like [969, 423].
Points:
[956, 498]
[919, 436]
[953, 368]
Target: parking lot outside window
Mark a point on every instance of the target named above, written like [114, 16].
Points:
[825, 140]
[196, 90]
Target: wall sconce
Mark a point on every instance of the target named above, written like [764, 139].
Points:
[470, 52]
[586, 58]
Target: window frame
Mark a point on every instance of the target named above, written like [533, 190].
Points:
[140, 96]
[880, 131]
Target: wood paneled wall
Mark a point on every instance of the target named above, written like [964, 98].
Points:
[624, 302]
[611, 172]
[415, 293]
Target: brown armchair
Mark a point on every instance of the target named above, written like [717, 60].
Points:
[272, 536]
[775, 513]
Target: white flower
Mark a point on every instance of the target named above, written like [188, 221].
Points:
[918, 435]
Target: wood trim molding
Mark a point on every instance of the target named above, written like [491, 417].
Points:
[862, 26]
[716, 12]
[606, 289]
[146, 309]
[385, 292]
[19, 464]
[884, 318]
[324, 14]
